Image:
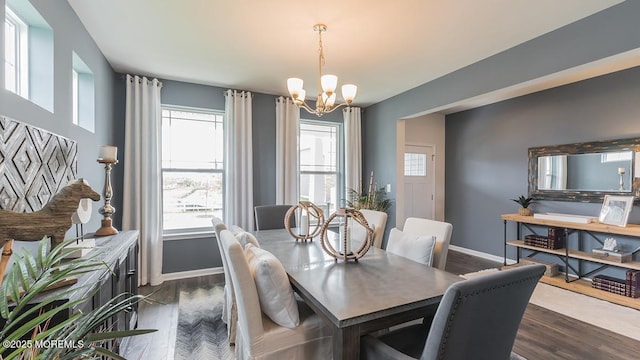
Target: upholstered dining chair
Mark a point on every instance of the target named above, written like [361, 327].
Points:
[476, 319]
[272, 217]
[258, 337]
[441, 230]
[229, 311]
[379, 221]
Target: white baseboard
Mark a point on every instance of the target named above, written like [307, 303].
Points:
[192, 273]
[481, 254]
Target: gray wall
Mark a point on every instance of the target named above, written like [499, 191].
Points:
[486, 162]
[610, 32]
[70, 35]
[200, 253]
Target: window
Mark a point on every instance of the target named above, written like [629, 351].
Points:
[82, 94]
[16, 54]
[28, 49]
[192, 168]
[320, 164]
[415, 164]
[616, 156]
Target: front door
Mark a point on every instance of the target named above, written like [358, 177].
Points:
[419, 181]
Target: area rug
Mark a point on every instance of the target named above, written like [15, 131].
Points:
[201, 334]
[615, 318]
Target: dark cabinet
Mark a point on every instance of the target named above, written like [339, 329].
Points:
[120, 253]
[131, 286]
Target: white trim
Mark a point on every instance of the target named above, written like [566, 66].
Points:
[21, 48]
[189, 108]
[180, 234]
[74, 97]
[481, 254]
[192, 273]
[218, 117]
[340, 153]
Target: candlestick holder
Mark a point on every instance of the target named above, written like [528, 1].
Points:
[344, 250]
[107, 210]
[621, 172]
[311, 219]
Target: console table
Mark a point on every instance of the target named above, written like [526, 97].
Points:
[120, 254]
[574, 281]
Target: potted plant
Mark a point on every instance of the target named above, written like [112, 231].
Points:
[373, 199]
[27, 321]
[524, 203]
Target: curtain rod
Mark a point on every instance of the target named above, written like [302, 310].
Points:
[241, 92]
[140, 78]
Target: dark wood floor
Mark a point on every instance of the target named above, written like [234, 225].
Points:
[543, 334]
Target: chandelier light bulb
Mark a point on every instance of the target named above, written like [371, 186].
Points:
[328, 100]
[329, 83]
[349, 92]
[294, 85]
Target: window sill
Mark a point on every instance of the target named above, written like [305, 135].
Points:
[188, 235]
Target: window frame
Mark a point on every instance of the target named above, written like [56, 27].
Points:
[75, 97]
[83, 94]
[21, 60]
[190, 232]
[340, 187]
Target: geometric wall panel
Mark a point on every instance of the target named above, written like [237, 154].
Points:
[34, 165]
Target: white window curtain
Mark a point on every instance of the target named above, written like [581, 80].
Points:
[239, 160]
[142, 192]
[287, 130]
[552, 172]
[352, 148]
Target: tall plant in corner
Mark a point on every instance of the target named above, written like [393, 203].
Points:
[373, 199]
[28, 317]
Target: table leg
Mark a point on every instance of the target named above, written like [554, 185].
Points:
[346, 343]
[504, 234]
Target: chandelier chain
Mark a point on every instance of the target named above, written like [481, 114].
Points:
[320, 65]
[321, 48]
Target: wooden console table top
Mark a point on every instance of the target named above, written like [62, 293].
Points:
[630, 229]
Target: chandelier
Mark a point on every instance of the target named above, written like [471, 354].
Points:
[325, 103]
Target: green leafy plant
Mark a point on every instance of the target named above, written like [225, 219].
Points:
[373, 199]
[524, 201]
[27, 318]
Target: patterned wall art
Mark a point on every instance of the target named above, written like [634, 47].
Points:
[34, 165]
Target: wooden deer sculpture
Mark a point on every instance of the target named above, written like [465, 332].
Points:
[53, 220]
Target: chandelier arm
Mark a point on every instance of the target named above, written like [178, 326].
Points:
[336, 107]
[307, 107]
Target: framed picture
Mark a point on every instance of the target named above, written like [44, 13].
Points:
[615, 210]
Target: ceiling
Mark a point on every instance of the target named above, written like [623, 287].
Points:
[384, 47]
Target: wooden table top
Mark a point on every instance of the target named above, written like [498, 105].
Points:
[378, 285]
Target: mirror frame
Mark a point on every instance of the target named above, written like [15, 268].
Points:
[632, 144]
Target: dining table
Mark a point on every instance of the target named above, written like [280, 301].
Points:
[357, 297]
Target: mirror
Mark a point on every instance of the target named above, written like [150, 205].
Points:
[585, 171]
